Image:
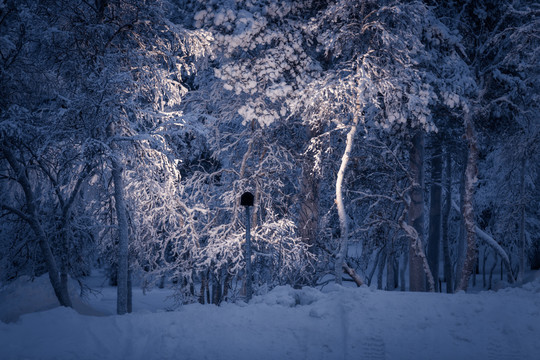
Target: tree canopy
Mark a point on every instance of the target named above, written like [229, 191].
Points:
[129, 130]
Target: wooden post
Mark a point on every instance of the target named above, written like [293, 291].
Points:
[247, 201]
[249, 286]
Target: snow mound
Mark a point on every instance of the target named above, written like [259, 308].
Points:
[289, 297]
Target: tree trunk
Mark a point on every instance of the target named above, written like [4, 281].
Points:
[380, 271]
[64, 261]
[492, 270]
[123, 241]
[448, 273]
[403, 269]
[344, 240]
[129, 293]
[203, 286]
[535, 258]
[31, 217]
[461, 246]
[391, 277]
[308, 221]
[522, 240]
[375, 265]
[207, 287]
[226, 285]
[468, 206]
[417, 280]
[216, 290]
[309, 206]
[434, 237]
[484, 260]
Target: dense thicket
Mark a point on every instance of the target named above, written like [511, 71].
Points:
[379, 138]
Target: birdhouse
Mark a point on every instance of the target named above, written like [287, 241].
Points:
[246, 199]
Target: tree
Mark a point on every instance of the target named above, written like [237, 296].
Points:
[435, 208]
[32, 218]
[411, 62]
[112, 102]
[511, 76]
[145, 91]
[499, 40]
[259, 62]
[32, 116]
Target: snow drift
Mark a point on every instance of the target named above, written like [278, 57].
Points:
[333, 323]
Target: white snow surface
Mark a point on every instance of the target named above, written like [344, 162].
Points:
[333, 323]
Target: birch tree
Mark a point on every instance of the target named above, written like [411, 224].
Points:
[411, 62]
[499, 39]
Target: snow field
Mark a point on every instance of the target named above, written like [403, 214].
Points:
[335, 323]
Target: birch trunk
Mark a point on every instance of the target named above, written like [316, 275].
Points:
[468, 206]
[416, 248]
[344, 240]
[123, 242]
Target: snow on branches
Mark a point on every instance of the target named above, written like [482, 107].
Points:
[262, 55]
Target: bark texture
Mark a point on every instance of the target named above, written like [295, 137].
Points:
[309, 207]
[343, 243]
[435, 200]
[461, 243]
[522, 238]
[123, 241]
[417, 280]
[448, 273]
[308, 221]
[468, 206]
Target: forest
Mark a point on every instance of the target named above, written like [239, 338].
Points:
[389, 143]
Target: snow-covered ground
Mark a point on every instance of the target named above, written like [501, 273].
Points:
[335, 323]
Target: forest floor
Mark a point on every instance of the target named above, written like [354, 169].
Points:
[333, 323]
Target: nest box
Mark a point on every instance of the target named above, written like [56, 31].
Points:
[246, 199]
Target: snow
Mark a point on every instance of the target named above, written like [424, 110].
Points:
[333, 323]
